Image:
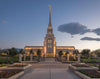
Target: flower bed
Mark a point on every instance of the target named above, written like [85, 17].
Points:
[91, 73]
[75, 67]
[81, 65]
[18, 65]
[3, 65]
[8, 73]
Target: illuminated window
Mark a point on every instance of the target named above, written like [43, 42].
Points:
[50, 41]
[50, 32]
[50, 46]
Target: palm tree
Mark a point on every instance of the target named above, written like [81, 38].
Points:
[39, 54]
[60, 54]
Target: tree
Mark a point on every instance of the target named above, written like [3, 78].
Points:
[76, 52]
[60, 54]
[21, 51]
[39, 54]
[66, 54]
[97, 52]
[12, 52]
[31, 51]
[85, 52]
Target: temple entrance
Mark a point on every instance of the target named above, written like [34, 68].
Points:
[49, 54]
[50, 59]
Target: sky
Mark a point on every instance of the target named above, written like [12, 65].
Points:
[75, 23]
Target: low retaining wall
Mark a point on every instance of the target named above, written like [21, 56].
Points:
[24, 70]
[73, 68]
[83, 76]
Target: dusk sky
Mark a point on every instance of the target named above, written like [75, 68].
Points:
[75, 23]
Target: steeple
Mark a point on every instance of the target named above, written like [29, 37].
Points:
[49, 30]
[50, 17]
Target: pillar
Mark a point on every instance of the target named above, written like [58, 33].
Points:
[78, 57]
[67, 57]
[24, 57]
[31, 57]
[20, 57]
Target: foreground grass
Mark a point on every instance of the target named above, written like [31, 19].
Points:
[9, 60]
[91, 60]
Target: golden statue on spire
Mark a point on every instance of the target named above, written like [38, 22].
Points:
[50, 7]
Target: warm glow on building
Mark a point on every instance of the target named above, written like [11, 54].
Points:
[49, 49]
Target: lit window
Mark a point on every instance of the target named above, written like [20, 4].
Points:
[50, 41]
[50, 46]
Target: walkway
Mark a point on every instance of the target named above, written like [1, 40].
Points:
[50, 71]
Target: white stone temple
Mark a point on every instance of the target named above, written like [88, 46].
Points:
[49, 48]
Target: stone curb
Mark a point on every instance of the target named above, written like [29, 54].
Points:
[83, 76]
[15, 76]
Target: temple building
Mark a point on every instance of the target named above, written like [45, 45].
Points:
[49, 48]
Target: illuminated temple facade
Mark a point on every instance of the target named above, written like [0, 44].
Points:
[49, 48]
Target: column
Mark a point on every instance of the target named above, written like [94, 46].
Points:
[31, 56]
[20, 57]
[78, 57]
[67, 57]
[24, 57]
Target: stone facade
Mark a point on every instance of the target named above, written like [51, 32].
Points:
[49, 48]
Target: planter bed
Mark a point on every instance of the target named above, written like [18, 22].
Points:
[3, 65]
[69, 62]
[83, 67]
[88, 74]
[18, 66]
[10, 74]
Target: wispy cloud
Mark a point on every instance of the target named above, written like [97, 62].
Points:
[3, 21]
[73, 28]
[90, 39]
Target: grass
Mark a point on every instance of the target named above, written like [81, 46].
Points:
[3, 65]
[90, 60]
[10, 60]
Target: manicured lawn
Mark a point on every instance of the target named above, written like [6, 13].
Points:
[3, 65]
[90, 60]
[10, 60]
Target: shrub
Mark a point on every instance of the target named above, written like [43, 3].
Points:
[99, 67]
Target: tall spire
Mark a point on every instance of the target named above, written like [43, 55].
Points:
[49, 15]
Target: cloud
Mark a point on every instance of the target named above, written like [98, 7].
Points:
[96, 31]
[3, 21]
[90, 39]
[73, 28]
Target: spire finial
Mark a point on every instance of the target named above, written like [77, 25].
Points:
[50, 8]
[49, 15]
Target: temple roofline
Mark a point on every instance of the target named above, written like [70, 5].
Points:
[65, 47]
[33, 46]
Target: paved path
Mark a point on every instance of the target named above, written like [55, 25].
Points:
[50, 71]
